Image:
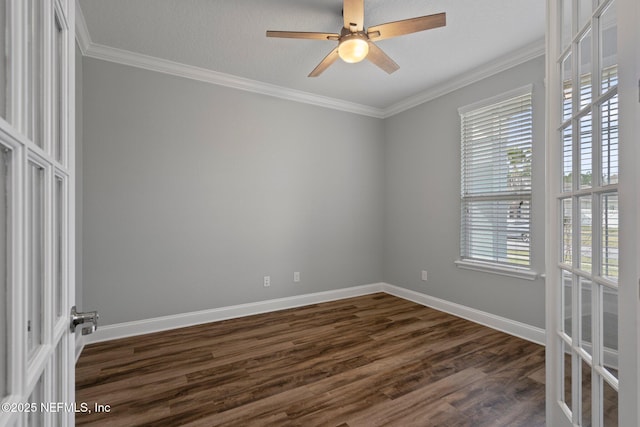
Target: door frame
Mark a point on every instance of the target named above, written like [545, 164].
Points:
[629, 302]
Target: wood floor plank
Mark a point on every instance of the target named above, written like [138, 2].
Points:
[366, 361]
[417, 408]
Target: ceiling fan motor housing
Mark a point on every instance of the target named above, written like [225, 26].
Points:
[353, 47]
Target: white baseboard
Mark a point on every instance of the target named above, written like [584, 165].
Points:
[140, 327]
[512, 327]
[157, 324]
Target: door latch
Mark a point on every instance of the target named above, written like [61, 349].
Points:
[88, 317]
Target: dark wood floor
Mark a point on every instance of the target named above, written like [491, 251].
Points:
[365, 361]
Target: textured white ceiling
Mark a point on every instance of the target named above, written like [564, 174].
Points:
[228, 36]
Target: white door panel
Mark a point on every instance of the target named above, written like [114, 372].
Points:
[591, 236]
[36, 211]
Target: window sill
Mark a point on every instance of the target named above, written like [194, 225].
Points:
[519, 273]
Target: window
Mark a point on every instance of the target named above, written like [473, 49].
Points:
[496, 181]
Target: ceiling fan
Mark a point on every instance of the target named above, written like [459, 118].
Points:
[355, 43]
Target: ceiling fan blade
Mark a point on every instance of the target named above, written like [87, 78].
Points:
[379, 58]
[303, 35]
[353, 14]
[407, 26]
[325, 63]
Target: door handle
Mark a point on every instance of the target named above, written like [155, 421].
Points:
[90, 317]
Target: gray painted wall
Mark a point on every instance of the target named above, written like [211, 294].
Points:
[194, 192]
[422, 202]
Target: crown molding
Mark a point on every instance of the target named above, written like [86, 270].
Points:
[133, 59]
[125, 57]
[531, 51]
[520, 56]
[82, 32]
[138, 60]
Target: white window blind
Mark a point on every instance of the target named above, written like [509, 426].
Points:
[496, 180]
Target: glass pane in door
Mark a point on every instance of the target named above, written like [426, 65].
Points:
[34, 72]
[584, 49]
[610, 330]
[567, 305]
[585, 388]
[567, 374]
[610, 235]
[4, 81]
[35, 273]
[586, 238]
[567, 159]
[5, 221]
[567, 231]
[608, 48]
[584, 10]
[586, 151]
[58, 250]
[567, 89]
[57, 81]
[609, 135]
[609, 405]
[586, 315]
[566, 23]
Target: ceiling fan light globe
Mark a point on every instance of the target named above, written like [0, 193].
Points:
[353, 49]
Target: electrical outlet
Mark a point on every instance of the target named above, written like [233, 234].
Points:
[424, 275]
[296, 277]
[267, 281]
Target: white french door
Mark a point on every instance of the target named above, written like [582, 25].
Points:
[36, 212]
[592, 214]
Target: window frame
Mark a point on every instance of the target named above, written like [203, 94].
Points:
[466, 261]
